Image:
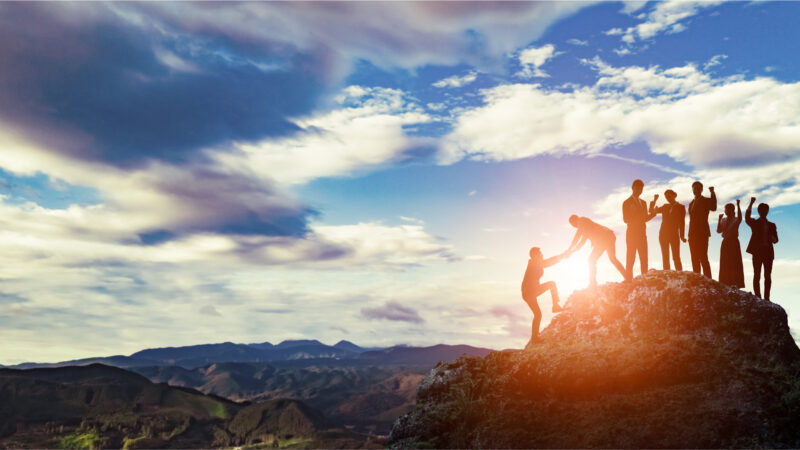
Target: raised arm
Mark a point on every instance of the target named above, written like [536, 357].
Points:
[652, 210]
[713, 204]
[738, 211]
[748, 218]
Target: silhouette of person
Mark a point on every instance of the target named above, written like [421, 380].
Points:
[764, 236]
[672, 230]
[731, 270]
[532, 288]
[635, 214]
[603, 241]
[699, 232]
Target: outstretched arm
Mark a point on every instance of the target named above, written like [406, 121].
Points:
[555, 259]
[577, 242]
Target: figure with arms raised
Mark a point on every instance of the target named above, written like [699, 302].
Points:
[764, 236]
[673, 227]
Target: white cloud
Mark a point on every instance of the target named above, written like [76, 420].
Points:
[366, 132]
[456, 81]
[532, 59]
[622, 51]
[714, 61]
[389, 34]
[665, 17]
[631, 6]
[578, 42]
[680, 111]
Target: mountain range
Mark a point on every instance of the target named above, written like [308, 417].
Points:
[344, 394]
[291, 352]
[97, 406]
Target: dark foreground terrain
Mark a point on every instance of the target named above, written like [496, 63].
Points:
[671, 360]
[306, 394]
[98, 406]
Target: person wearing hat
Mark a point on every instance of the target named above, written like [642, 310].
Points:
[673, 228]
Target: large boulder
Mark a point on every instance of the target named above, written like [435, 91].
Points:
[671, 359]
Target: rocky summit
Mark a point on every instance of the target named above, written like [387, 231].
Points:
[668, 360]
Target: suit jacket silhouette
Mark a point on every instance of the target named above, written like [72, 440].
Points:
[698, 216]
[673, 219]
[634, 213]
[764, 235]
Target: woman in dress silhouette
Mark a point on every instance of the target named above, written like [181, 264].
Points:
[731, 269]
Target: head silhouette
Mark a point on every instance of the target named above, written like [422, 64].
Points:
[730, 209]
[763, 209]
[697, 188]
[573, 220]
[637, 187]
[670, 195]
[535, 253]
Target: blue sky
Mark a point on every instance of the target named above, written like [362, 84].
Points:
[184, 173]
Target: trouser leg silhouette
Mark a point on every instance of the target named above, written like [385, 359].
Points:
[757, 275]
[665, 243]
[675, 243]
[767, 277]
[612, 256]
[636, 242]
[698, 247]
[531, 298]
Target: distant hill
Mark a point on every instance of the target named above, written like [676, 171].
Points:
[365, 393]
[422, 355]
[102, 406]
[364, 398]
[297, 353]
[669, 360]
[363, 389]
[201, 355]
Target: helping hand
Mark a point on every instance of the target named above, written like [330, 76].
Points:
[752, 200]
[711, 188]
[683, 239]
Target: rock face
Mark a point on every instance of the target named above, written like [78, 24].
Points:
[669, 360]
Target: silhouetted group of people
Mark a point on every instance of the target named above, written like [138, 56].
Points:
[636, 213]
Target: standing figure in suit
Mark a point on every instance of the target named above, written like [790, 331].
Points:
[673, 228]
[603, 241]
[635, 214]
[731, 269]
[764, 236]
[699, 232]
[532, 288]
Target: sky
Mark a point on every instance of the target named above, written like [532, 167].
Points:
[186, 173]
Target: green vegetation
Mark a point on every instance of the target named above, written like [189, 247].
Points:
[83, 440]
